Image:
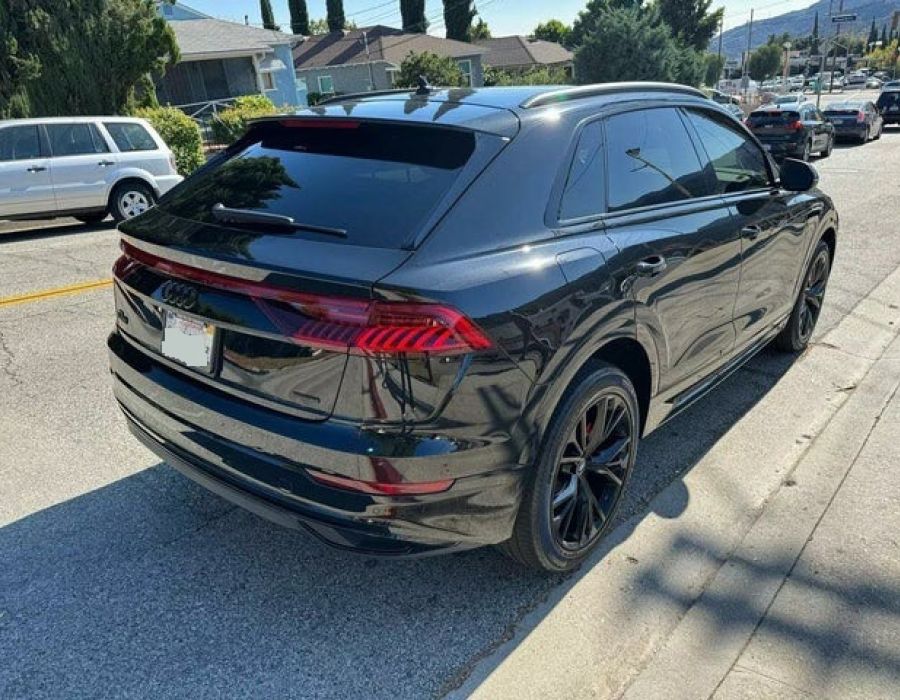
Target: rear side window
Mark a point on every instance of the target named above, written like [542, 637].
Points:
[651, 160]
[738, 163]
[888, 99]
[585, 184]
[129, 136]
[20, 143]
[74, 139]
[378, 182]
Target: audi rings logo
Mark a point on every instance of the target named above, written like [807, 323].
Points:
[184, 296]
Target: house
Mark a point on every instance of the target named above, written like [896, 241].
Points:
[221, 60]
[369, 59]
[519, 54]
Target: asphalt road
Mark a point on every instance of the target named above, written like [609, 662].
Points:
[119, 577]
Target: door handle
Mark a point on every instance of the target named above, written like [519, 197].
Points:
[649, 267]
[36, 169]
[751, 232]
[104, 163]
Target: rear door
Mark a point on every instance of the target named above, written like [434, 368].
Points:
[82, 165]
[762, 219]
[677, 241]
[25, 184]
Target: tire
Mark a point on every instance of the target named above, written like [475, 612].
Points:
[807, 147]
[829, 148]
[865, 136]
[878, 133]
[92, 219]
[129, 199]
[795, 336]
[581, 490]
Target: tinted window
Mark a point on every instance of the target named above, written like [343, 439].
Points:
[775, 117]
[20, 143]
[739, 164]
[379, 182]
[651, 160]
[130, 137]
[74, 140]
[583, 195]
[890, 100]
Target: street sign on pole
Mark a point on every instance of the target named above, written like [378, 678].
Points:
[843, 19]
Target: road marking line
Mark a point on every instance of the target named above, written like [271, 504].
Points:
[51, 293]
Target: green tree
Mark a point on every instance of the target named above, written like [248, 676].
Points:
[689, 65]
[437, 70]
[458, 16]
[336, 19]
[588, 19]
[480, 30]
[713, 65]
[814, 43]
[17, 65]
[884, 35]
[536, 76]
[691, 21]
[413, 14]
[92, 54]
[299, 17]
[626, 44]
[765, 61]
[268, 17]
[873, 33]
[553, 30]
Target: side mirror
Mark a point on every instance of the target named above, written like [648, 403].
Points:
[798, 175]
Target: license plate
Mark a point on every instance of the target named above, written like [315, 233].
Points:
[188, 341]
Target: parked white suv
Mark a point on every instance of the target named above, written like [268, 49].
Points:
[86, 167]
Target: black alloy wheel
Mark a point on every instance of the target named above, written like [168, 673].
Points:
[796, 334]
[591, 472]
[577, 484]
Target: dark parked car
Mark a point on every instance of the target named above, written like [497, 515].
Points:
[855, 119]
[888, 103]
[418, 322]
[792, 131]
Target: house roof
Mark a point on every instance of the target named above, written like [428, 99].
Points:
[519, 51]
[385, 44]
[215, 36]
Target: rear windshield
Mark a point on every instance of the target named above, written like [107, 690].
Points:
[845, 108]
[773, 117]
[378, 182]
[888, 99]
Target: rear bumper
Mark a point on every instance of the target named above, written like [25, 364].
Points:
[258, 459]
[784, 149]
[849, 132]
[166, 183]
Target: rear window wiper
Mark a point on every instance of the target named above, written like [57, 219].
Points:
[227, 215]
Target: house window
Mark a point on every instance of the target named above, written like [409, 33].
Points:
[268, 81]
[326, 84]
[466, 67]
[392, 74]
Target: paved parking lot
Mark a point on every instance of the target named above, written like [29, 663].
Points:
[120, 577]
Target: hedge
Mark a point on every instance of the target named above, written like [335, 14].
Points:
[229, 125]
[180, 132]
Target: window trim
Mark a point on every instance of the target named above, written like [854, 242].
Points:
[266, 76]
[322, 90]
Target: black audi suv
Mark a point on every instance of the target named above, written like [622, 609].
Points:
[418, 322]
[792, 130]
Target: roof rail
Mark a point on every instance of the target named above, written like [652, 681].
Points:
[368, 93]
[584, 91]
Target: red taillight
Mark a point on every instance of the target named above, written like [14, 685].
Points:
[796, 125]
[337, 323]
[860, 116]
[415, 488]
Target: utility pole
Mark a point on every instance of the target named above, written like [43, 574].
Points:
[745, 77]
[837, 33]
[369, 61]
[720, 63]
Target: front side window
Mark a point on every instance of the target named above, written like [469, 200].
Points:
[738, 162]
[585, 184]
[74, 140]
[129, 136]
[326, 84]
[651, 160]
[20, 143]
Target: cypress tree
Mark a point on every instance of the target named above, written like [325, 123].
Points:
[458, 16]
[268, 17]
[336, 19]
[413, 14]
[873, 33]
[884, 35]
[299, 17]
[814, 42]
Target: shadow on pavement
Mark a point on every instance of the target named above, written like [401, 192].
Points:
[13, 231]
[153, 586]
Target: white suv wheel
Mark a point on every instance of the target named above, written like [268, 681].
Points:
[132, 203]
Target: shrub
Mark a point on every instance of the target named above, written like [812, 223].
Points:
[439, 71]
[229, 125]
[180, 133]
[535, 76]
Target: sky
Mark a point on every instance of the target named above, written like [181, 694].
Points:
[503, 16]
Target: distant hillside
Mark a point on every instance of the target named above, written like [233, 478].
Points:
[800, 23]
